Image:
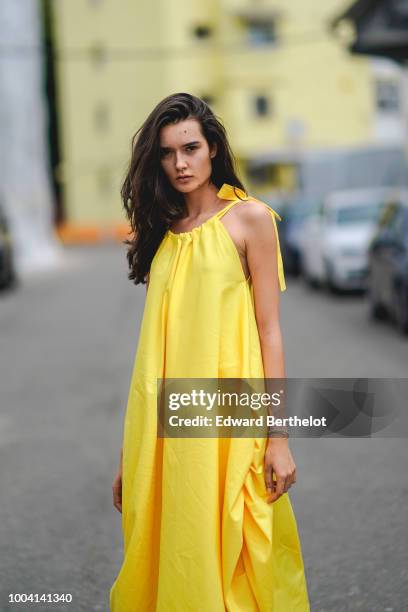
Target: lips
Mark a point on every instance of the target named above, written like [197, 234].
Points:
[179, 178]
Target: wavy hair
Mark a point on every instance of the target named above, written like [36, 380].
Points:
[150, 201]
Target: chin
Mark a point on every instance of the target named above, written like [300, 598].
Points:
[186, 187]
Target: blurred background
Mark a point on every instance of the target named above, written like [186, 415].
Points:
[314, 97]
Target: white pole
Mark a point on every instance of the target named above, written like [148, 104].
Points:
[25, 189]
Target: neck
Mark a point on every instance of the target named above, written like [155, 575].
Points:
[202, 200]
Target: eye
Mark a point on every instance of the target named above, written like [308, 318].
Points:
[191, 147]
[163, 153]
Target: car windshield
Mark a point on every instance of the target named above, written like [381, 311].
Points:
[361, 213]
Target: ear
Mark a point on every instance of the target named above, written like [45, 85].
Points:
[213, 150]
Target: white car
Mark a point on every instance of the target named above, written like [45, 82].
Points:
[336, 238]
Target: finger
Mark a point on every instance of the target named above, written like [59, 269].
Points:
[288, 484]
[117, 498]
[279, 489]
[269, 483]
[291, 479]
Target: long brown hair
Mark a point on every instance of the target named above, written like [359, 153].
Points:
[150, 201]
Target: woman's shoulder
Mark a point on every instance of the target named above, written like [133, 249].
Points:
[254, 212]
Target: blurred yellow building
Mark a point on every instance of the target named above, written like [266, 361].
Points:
[272, 70]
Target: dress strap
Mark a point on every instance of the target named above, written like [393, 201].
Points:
[222, 212]
[229, 192]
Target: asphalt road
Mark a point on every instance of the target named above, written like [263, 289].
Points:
[68, 340]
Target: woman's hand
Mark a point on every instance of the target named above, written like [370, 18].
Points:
[278, 460]
[117, 487]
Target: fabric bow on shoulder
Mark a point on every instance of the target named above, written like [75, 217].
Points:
[229, 192]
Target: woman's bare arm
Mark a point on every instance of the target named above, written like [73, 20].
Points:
[261, 252]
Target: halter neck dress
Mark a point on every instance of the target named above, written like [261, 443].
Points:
[199, 535]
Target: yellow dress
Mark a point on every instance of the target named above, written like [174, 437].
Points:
[199, 535]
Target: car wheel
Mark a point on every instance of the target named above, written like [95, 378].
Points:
[401, 311]
[331, 286]
[329, 282]
[296, 271]
[297, 268]
[376, 309]
[311, 281]
[11, 281]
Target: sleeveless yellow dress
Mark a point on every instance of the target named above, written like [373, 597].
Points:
[199, 535]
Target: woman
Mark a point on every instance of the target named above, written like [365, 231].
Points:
[205, 526]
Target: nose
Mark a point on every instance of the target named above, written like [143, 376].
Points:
[180, 161]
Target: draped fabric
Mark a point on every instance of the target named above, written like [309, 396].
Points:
[199, 535]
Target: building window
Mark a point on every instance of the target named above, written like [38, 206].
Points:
[104, 181]
[260, 33]
[387, 96]
[262, 174]
[101, 116]
[202, 31]
[98, 55]
[261, 105]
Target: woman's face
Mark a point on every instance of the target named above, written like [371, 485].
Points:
[184, 151]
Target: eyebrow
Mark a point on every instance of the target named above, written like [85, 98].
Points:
[187, 144]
